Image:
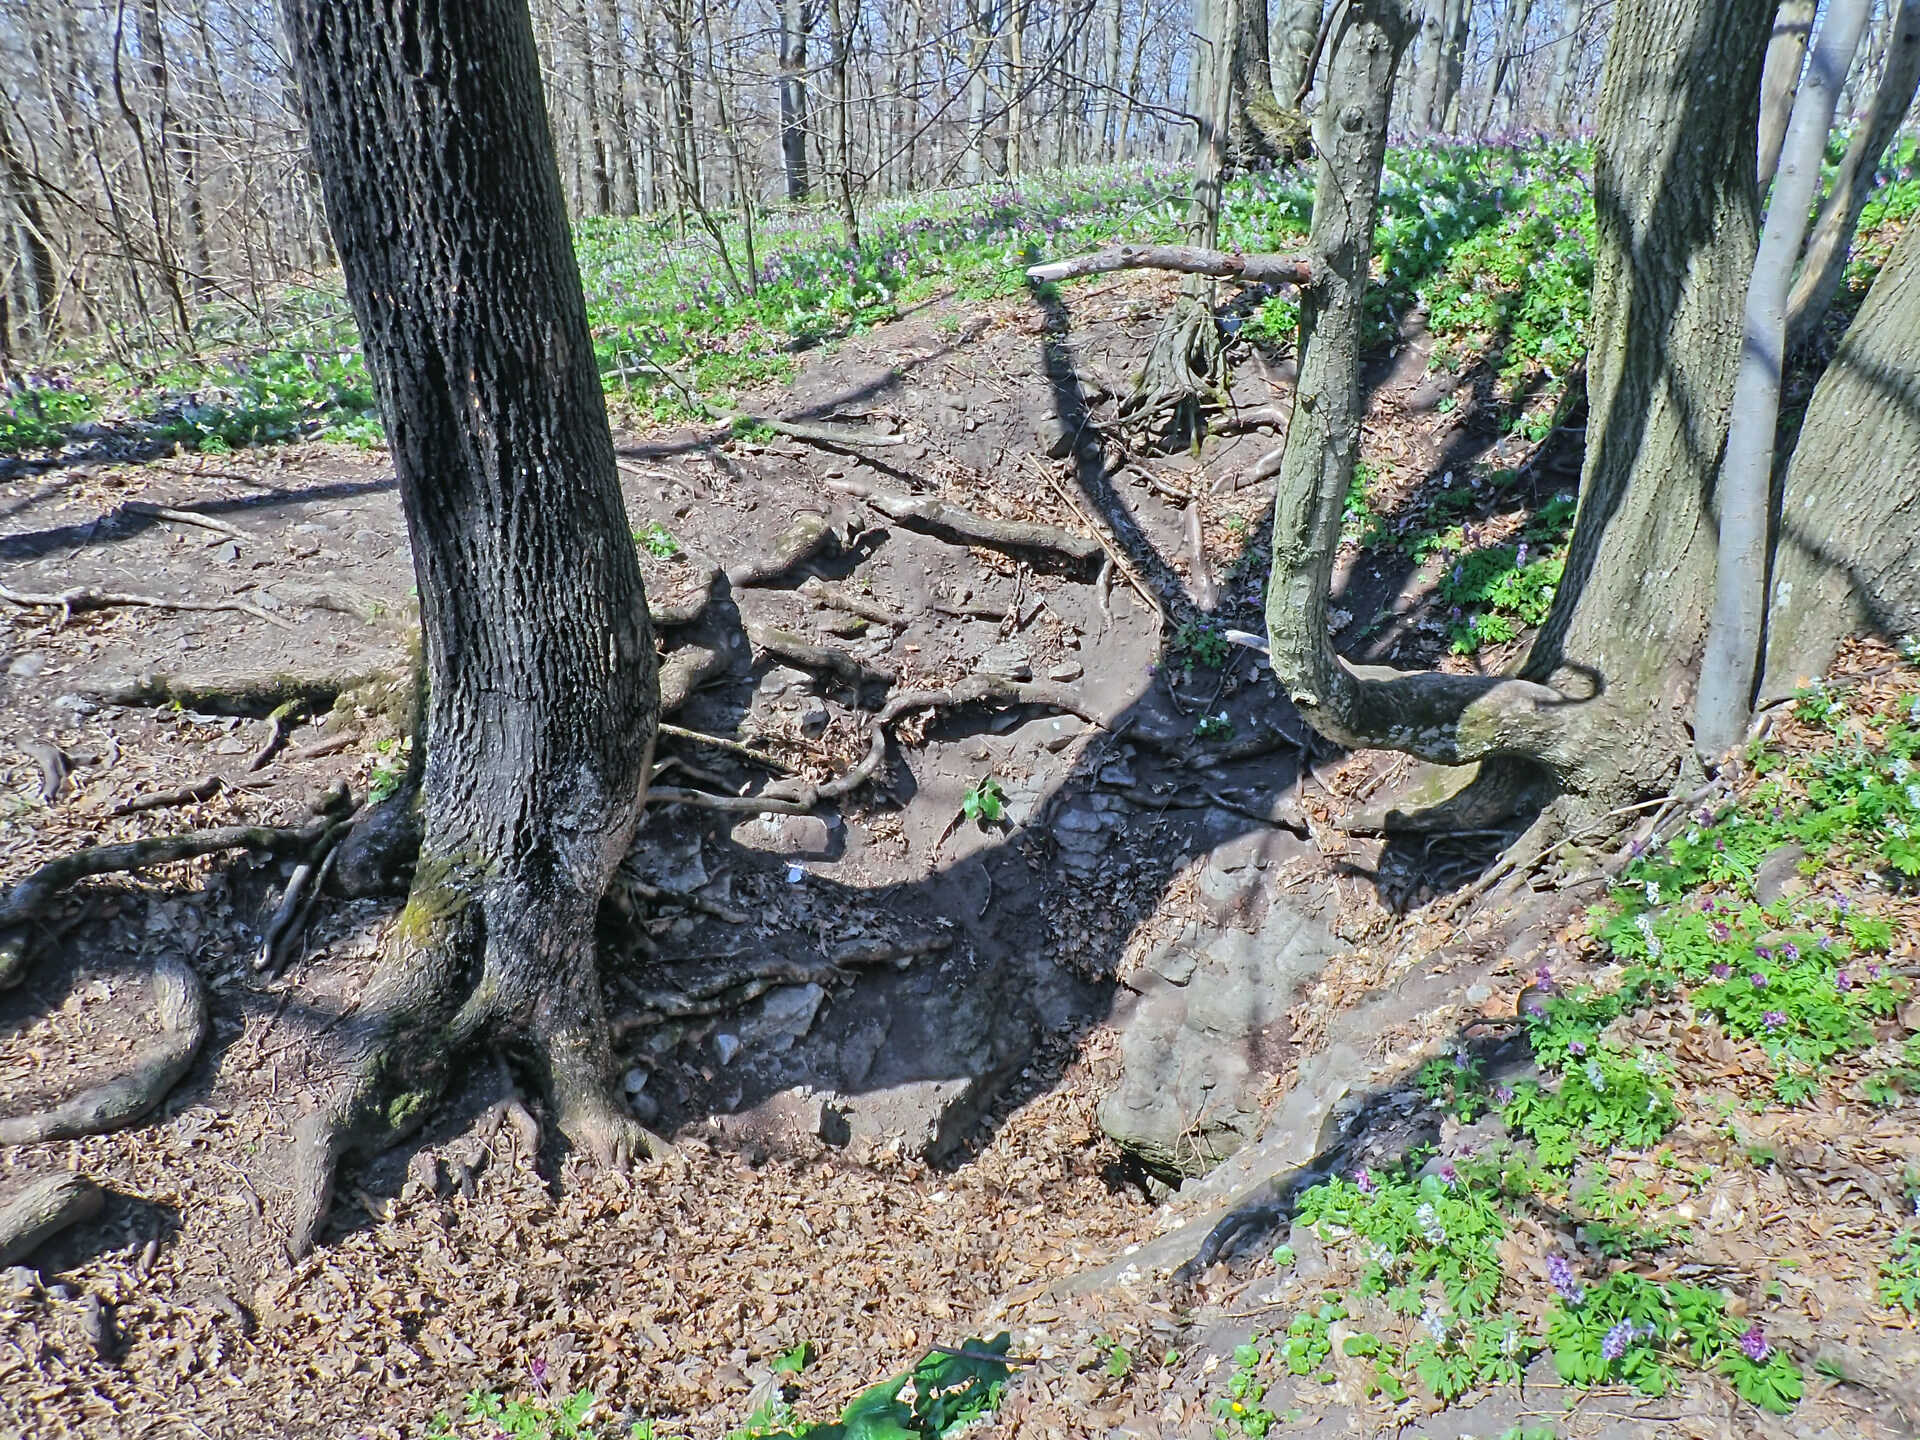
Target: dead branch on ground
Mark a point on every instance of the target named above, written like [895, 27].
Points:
[935, 515]
[85, 597]
[1260, 269]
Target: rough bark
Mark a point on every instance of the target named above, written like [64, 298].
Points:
[1825, 263]
[1266, 128]
[1847, 552]
[41, 1209]
[1602, 698]
[1729, 667]
[1786, 49]
[445, 203]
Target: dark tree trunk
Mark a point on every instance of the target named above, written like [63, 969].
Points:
[445, 202]
[796, 19]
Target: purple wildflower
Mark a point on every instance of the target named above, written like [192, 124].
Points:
[1754, 1344]
[1722, 972]
[1873, 972]
[1363, 1181]
[1560, 1273]
[1761, 952]
[1720, 931]
[1843, 981]
[1448, 1175]
[1773, 1019]
[1577, 1047]
[538, 1370]
[1543, 977]
[1618, 1338]
[1790, 952]
[1759, 980]
[1504, 1094]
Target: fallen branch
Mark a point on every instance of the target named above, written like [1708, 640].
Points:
[42, 1209]
[683, 897]
[797, 429]
[180, 1005]
[1183, 259]
[306, 882]
[701, 737]
[276, 735]
[182, 517]
[706, 800]
[1114, 555]
[1204, 592]
[33, 892]
[84, 597]
[927, 512]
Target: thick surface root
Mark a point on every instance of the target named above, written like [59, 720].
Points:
[41, 1210]
[180, 1006]
[1184, 371]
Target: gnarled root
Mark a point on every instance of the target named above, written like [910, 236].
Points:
[42, 1209]
[470, 954]
[180, 1005]
[1184, 371]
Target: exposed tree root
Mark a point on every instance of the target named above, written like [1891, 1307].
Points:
[289, 917]
[181, 517]
[42, 1209]
[804, 538]
[1184, 259]
[833, 435]
[838, 597]
[276, 735]
[35, 890]
[926, 512]
[723, 994]
[83, 597]
[684, 671]
[796, 650]
[237, 694]
[180, 1006]
[687, 612]
[745, 751]
[1184, 371]
[205, 788]
[706, 800]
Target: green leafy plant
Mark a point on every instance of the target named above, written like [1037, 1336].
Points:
[1899, 1285]
[1199, 642]
[985, 802]
[657, 541]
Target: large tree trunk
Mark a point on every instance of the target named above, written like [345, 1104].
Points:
[1603, 699]
[1826, 258]
[1786, 49]
[1847, 538]
[445, 203]
[1730, 666]
[1265, 126]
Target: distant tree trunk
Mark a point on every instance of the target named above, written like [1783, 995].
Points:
[38, 286]
[1431, 62]
[1016, 60]
[1295, 24]
[1729, 668]
[1456, 31]
[1512, 37]
[842, 135]
[980, 32]
[1265, 127]
[796, 19]
[446, 206]
[1826, 258]
[613, 48]
[592, 130]
[1786, 49]
[1566, 62]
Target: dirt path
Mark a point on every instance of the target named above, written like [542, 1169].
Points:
[880, 1036]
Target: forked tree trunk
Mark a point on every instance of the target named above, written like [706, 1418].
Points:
[445, 203]
[1265, 126]
[1603, 698]
[1730, 666]
[1512, 33]
[1786, 50]
[1295, 24]
[1826, 259]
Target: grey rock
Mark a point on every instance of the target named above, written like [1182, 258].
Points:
[725, 1047]
[813, 718]
[645, 1108]
[785, 1014]
[676, 864]
[1054, 434]
[1117, 772]
[26, 666]
[1070, 670]
[1009, 662]
[1060, 734]
[77, 705]
[806, 837]
[635, 1080]
[1209, 1020]
[1779, 875]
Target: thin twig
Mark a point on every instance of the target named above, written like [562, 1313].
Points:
[83, 597]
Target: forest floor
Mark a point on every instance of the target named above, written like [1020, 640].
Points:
[815, 1006]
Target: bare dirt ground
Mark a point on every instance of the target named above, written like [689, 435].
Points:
[879, 1036]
